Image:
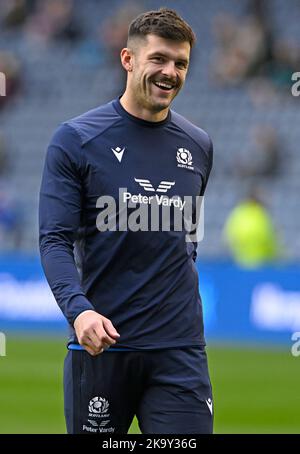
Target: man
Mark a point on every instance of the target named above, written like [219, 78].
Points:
[136, 345]
[250, 234]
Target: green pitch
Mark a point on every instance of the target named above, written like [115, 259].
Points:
[255, 391]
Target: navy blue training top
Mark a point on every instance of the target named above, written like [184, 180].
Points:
[145, 282]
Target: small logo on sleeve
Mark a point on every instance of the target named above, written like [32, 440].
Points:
[184, 159]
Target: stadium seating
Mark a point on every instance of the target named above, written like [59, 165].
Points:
[58, 84]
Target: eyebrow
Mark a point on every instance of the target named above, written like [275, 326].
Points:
[161, 54]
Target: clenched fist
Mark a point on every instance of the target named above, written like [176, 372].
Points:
[95, 332]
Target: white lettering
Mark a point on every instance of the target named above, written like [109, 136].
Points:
[190, 211]
[296, 86]
[2, 344]
[2, 84]
[106, 220]
[119, 444]
[89, 429]
[295, 350]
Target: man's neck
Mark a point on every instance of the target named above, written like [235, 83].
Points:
[143, 113]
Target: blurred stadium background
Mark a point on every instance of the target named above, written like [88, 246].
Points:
[60, 58]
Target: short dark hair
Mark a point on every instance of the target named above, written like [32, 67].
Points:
[165, 23]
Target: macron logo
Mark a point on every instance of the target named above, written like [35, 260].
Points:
[210, 405]
[118, 152]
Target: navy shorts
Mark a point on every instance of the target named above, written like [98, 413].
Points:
[168, 390]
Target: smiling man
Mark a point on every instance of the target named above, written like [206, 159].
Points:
[156, 68]
[136, 343]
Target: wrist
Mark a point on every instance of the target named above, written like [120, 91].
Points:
[85, 311]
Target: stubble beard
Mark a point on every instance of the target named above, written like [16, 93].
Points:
[146, 98]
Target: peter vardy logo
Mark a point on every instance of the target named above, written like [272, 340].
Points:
[184, 159]
[98, 405]
[161, 200]
[118, 152]
[93, 423]
[163, 186]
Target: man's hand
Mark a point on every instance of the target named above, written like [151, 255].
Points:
[95, 332]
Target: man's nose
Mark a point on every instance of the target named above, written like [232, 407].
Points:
[169, 69]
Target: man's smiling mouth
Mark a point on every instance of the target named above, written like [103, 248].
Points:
[164, 86]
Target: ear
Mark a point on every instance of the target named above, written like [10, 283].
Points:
[127, 59]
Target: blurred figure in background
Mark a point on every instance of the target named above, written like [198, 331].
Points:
[250, 234]
[3, 155]
[14, 13]
[11, 67]
[10, 225]
[263, 159]
[242, 46]
[248, 50]
[10, 218]
[53, 20]
[113, 32]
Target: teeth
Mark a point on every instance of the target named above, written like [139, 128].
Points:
[161, 84]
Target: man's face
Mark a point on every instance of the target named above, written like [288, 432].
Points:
[159, 68]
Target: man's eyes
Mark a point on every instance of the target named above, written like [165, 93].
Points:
[159, 59]
[180, 65]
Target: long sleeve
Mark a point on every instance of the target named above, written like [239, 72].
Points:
[59, 220]
[209, 153]
[209, 166]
